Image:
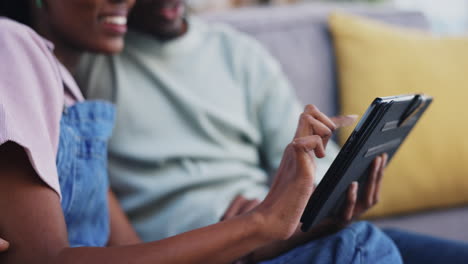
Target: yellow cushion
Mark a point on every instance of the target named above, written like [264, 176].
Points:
[431, 168]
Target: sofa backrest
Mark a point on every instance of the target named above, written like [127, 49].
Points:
[298, 37]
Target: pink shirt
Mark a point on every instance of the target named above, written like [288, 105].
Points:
[32, 96]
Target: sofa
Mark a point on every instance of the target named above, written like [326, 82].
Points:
[298, 37]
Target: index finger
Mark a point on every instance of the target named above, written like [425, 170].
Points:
[3, 245]
[351, 203]
[344, 120]
[315, 112]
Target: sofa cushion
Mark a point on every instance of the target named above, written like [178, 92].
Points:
[430, 170]
[298, 37]
[447, 223]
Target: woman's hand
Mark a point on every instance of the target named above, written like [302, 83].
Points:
[294, 180]
[354, 209]
[291, 189]
[3, 245]
[356, 206]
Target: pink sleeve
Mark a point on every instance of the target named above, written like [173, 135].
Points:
[31, 98]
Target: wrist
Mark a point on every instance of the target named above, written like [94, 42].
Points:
[260, 227]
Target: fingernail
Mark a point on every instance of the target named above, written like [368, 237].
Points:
[4, 243]
[346, 120]
[385, 157]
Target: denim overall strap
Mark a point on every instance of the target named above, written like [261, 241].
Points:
[82, 167]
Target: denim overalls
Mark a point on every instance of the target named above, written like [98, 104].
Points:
[82, 167]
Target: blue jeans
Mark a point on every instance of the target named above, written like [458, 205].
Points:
[358, 243]
[417, 248]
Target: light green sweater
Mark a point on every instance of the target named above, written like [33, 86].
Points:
[200, 120]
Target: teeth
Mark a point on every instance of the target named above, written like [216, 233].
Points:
[118, 20]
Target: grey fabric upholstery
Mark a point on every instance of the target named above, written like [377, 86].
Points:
[298, 37]
[447, 223]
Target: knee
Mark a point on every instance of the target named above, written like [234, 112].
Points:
[374, 245]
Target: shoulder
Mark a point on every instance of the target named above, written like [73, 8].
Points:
[239, 43]
[26, 52]
[30, 71]
[17, 35]
[32, 96]
[245, 52]
[229, 35]
[9, 26]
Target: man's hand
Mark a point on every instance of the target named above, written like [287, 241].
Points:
[240, 205]
[3, 245]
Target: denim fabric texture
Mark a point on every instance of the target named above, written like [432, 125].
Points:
[418, 248]
[82, 167]
[359, 243]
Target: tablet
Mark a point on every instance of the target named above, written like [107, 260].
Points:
[382, 129]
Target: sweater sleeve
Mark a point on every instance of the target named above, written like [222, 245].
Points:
[277, 109]
[31, 99]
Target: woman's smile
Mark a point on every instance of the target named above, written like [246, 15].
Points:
[114, 24]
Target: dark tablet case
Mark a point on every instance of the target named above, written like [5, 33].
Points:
[382, 129]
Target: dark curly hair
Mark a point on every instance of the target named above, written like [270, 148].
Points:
[18, 10]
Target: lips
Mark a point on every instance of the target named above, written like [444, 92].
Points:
[114, 24]
[169, 10]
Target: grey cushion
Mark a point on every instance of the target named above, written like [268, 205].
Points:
[448, 223]
[298, 36]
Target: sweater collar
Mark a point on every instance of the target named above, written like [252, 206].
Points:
[180, 45]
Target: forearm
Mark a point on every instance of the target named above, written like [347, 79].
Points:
[33, 221]
[41, 237]
[122, 232]
[220, 243]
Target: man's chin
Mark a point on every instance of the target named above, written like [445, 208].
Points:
[169, 30]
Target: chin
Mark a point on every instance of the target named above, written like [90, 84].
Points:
[109, 47]
[167, 29]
